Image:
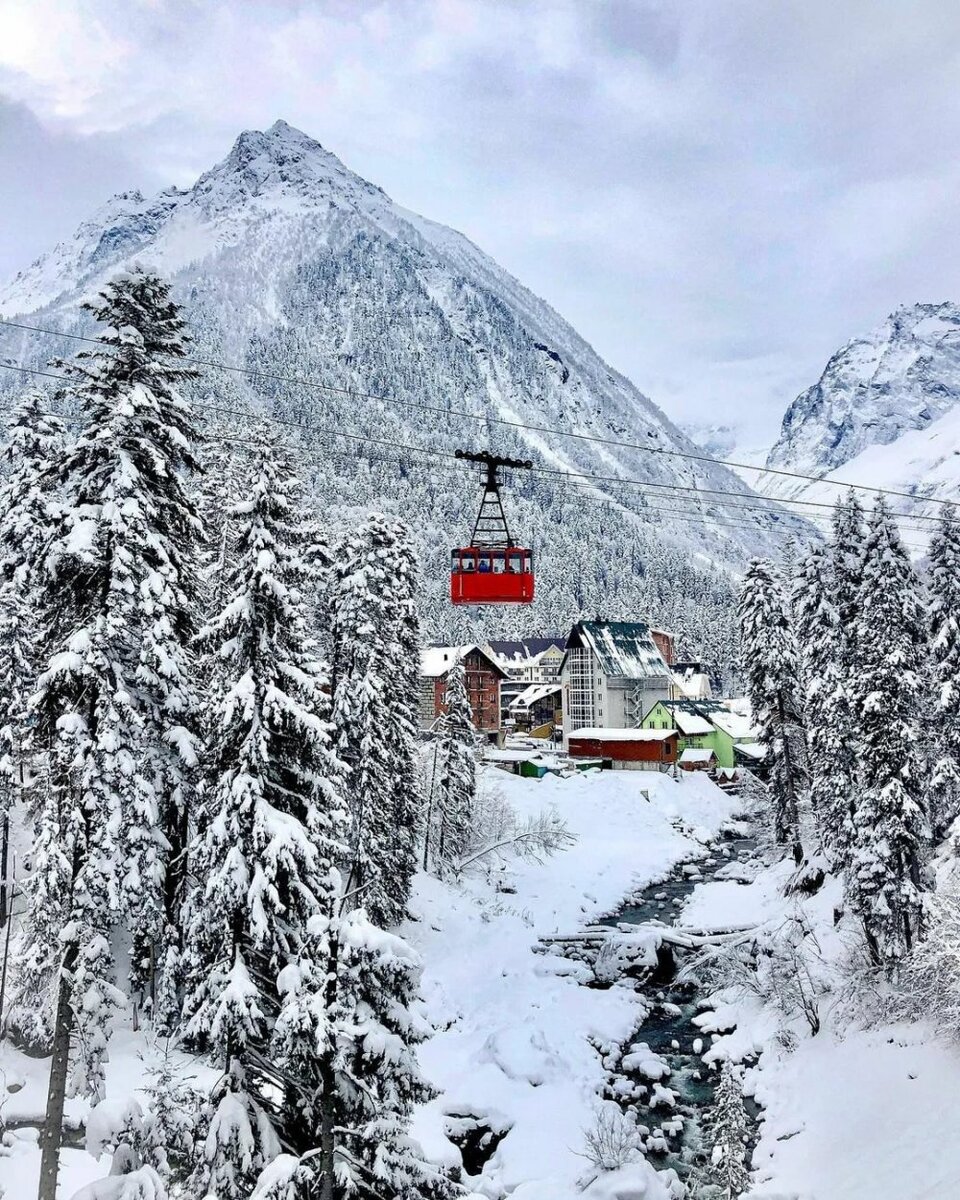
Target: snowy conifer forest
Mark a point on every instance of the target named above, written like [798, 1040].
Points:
[437, 763]
[223, 831]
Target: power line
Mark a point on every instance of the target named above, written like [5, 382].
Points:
[487, 419]
[586, 493]
[568, 478]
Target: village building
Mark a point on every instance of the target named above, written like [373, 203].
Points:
[697, 759]
[690, 681]
[626, 749]
[526, 661]
[612, 673]
[703, 725]
[483, 676]
[665, 641]
[538, 710]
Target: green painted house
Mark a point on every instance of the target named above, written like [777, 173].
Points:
[702, 725]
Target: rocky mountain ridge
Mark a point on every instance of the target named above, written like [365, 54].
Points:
[290, 264]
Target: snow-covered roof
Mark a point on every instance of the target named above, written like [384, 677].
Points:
[625, 649]
[694, 717]
[515, 653]
[733, 724]
[534, 694]
[692, 755]
[691, 724]
[624, 735]
[756, 750]
[694, 684]
[436, 661]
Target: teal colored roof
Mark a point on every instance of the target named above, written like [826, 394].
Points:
[625, 649]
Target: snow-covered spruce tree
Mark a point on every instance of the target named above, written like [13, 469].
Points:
[770, 660]
[378, 1081]
[944, 587]
[727, 1129]
[269, 834]
[35, 440]
[884, 876]
[402, 852]
[846, 576]
[819, 638]
[456, 787]
[112, 707]
[375, 679]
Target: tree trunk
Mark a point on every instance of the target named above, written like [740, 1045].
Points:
[4, 862]
[328, 1085]
[57, 1091]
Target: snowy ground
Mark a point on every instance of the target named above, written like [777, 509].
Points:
[515, 1026]
[849, 1114]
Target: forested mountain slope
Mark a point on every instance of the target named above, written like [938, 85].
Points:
[289, 264]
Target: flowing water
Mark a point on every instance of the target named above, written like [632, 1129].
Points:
[668, 1029]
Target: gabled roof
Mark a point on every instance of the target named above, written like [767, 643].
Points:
[624, 649]
[525, 648]
[690, 724]
[698, 716]
[534, 694]
[436, 661]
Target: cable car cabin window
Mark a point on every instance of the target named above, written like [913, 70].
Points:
[483, 562]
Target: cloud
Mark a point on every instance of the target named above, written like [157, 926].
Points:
[680, 180]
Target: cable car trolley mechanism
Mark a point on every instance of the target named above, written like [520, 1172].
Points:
[493, 569]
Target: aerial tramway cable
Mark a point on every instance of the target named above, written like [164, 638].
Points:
[486, 418]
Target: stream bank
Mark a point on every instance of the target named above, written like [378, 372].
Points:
[658, 1076]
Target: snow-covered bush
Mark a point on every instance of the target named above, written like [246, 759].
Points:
[612, 1141]
[782, 966]
[496, 831]
[142, 1184]
[928, 986]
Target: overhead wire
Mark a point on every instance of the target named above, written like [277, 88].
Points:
[774, 507]
[487, 418]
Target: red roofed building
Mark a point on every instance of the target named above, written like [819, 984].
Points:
[628, 749]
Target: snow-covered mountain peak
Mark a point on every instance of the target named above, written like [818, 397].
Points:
[902, 375]
[288, 262]
[278, 162]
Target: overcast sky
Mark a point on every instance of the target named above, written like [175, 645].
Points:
[716, 193]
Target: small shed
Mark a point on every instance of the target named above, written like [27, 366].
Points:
[627, 749]
[698, 760]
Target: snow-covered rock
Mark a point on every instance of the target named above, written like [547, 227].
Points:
[902, 376]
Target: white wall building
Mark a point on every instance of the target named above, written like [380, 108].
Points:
[612, 674]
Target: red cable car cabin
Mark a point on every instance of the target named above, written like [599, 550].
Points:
[493, 569]
[491, 575]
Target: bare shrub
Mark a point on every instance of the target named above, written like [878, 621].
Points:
[612, 1141]
[928, 984]
[782, 966]
[497, 832]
